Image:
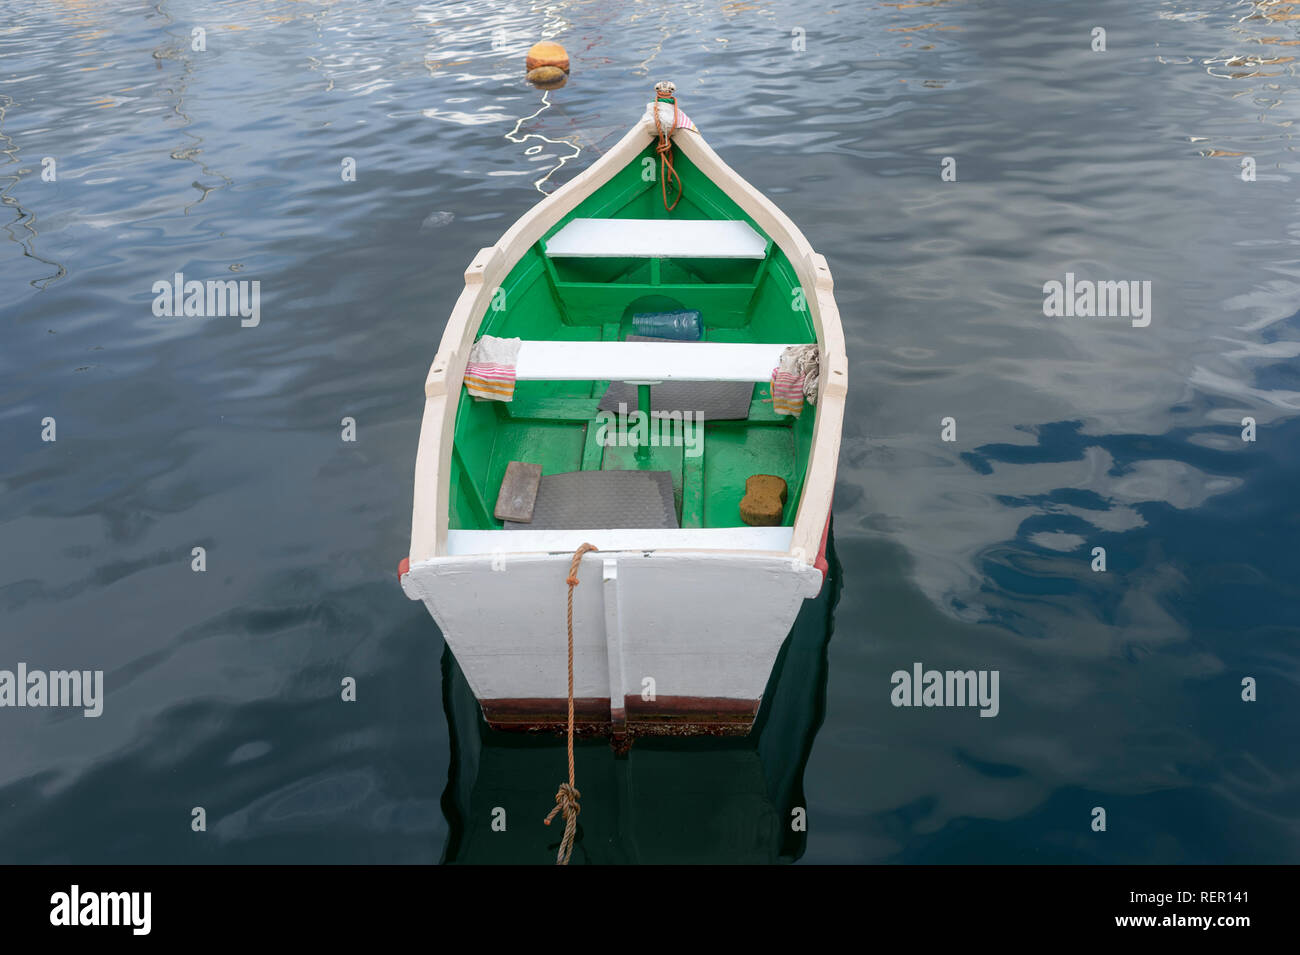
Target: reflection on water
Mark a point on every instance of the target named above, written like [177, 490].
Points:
[22, 229]
[175, 49]
[1119, 688]
[515, 136]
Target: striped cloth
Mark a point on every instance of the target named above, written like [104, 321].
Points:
[794, 379]
[490, 372]
[666, 117]
[787, 392]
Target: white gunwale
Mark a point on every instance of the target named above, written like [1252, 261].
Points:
[429, 517]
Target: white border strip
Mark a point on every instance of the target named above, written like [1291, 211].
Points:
[462, 543]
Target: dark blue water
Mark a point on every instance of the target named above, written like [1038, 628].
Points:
[1119, 690]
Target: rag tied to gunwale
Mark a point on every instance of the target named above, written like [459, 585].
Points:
[566, 799]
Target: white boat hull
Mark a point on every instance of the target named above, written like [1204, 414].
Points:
[704, 620]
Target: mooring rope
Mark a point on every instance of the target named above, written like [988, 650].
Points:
[665, 145]
[566, 799]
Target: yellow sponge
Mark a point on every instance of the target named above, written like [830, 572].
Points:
[764, 500]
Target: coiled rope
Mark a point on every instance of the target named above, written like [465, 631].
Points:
[663, 93]
[566, 799]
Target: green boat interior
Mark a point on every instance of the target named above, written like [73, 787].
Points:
[577, 297]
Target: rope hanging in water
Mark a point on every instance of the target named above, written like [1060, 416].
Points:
[566, 799]
[664, 93]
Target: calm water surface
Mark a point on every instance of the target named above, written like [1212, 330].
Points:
[1119, 689]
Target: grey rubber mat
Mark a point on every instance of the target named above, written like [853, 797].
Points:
[583, 500]
[712, 400]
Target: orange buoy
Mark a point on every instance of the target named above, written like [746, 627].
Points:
[547, 53]
[548, 77]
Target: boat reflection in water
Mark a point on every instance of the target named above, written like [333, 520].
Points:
[668, 800]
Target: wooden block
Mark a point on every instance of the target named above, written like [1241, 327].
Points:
[764, 500]
[518, 494]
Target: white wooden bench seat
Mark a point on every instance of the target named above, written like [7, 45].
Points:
[657, 238]
[645, 361]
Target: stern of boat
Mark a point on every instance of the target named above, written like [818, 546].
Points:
[665, 643]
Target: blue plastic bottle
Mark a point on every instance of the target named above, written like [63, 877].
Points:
[683, 326]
